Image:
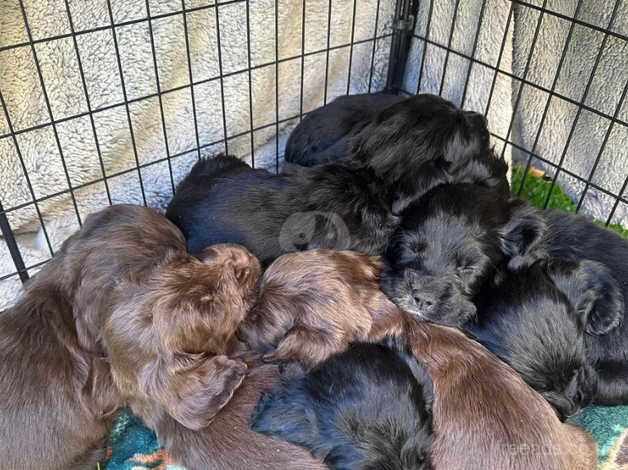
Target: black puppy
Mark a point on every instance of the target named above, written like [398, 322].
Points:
[529, 323]
[323, 135]
[413, 144]
[369, 407]
[330, 206]
[574, 237]
[450, 243]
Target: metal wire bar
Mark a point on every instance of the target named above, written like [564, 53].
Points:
[14, 250]
[161, 104]
[302, 59]
[126, 102]
[374, 46]
[222, 82]
[327, 51]
[351, 47]
[499, 58]
[425, 43]
[191, 78]
[475, 46]
[90, 110]
[451, 36]
[248, 62]
[49, 109]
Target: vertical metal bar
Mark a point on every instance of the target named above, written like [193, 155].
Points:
[159, 97]
[327, 51]
[49, 108]
[126, 101]
[277, 86]
[14, 250]
[473, 50]
[248, 57]
[424, 52]
[88, 101]
[25, 171]
[222, 85]
[499, 58]
[351, 47]
[602, 146]
[619, 195]
[405, 13]
[583, 99]
[549, 98]
[374, 44]
[189, 57]
[302, 59]
[451, 36]
[526, 69]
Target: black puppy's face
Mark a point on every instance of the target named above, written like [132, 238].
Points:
[424, 141]
[435, 267]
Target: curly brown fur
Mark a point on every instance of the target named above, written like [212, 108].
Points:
[485, 416]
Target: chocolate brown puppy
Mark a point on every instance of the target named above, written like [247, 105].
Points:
[484, 415]
[168, 358]
[58, 394]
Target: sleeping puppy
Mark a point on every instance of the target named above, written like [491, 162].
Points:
[324, 134]
[369, 407]
[484, 415]
[572, 237]
[167, 340]
[412, 145]
[330, 206]
[529, 323]
[58, 394]
[450, 243]
[297, 317]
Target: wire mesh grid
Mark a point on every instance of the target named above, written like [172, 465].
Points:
[550, 75]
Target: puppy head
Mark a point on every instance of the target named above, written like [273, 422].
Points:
[424, 141]
[449, 244]
[442, 253]
[167, 338]
[531, 325]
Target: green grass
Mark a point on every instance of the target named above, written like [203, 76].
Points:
[535, 190]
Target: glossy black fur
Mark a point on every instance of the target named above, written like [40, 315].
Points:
[323, 135]
[412, 145]
[450, 243]
[573, 237]
[367, 408]
[330, 206]
[530, 324]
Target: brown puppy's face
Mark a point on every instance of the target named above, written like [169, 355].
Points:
[167, 338]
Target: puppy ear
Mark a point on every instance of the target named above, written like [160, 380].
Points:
[198, 391]
[230, 256]
[522, 238]
[593, 291]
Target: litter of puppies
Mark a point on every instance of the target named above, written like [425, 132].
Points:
[382, 303]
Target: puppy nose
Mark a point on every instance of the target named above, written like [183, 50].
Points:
[423, 301]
